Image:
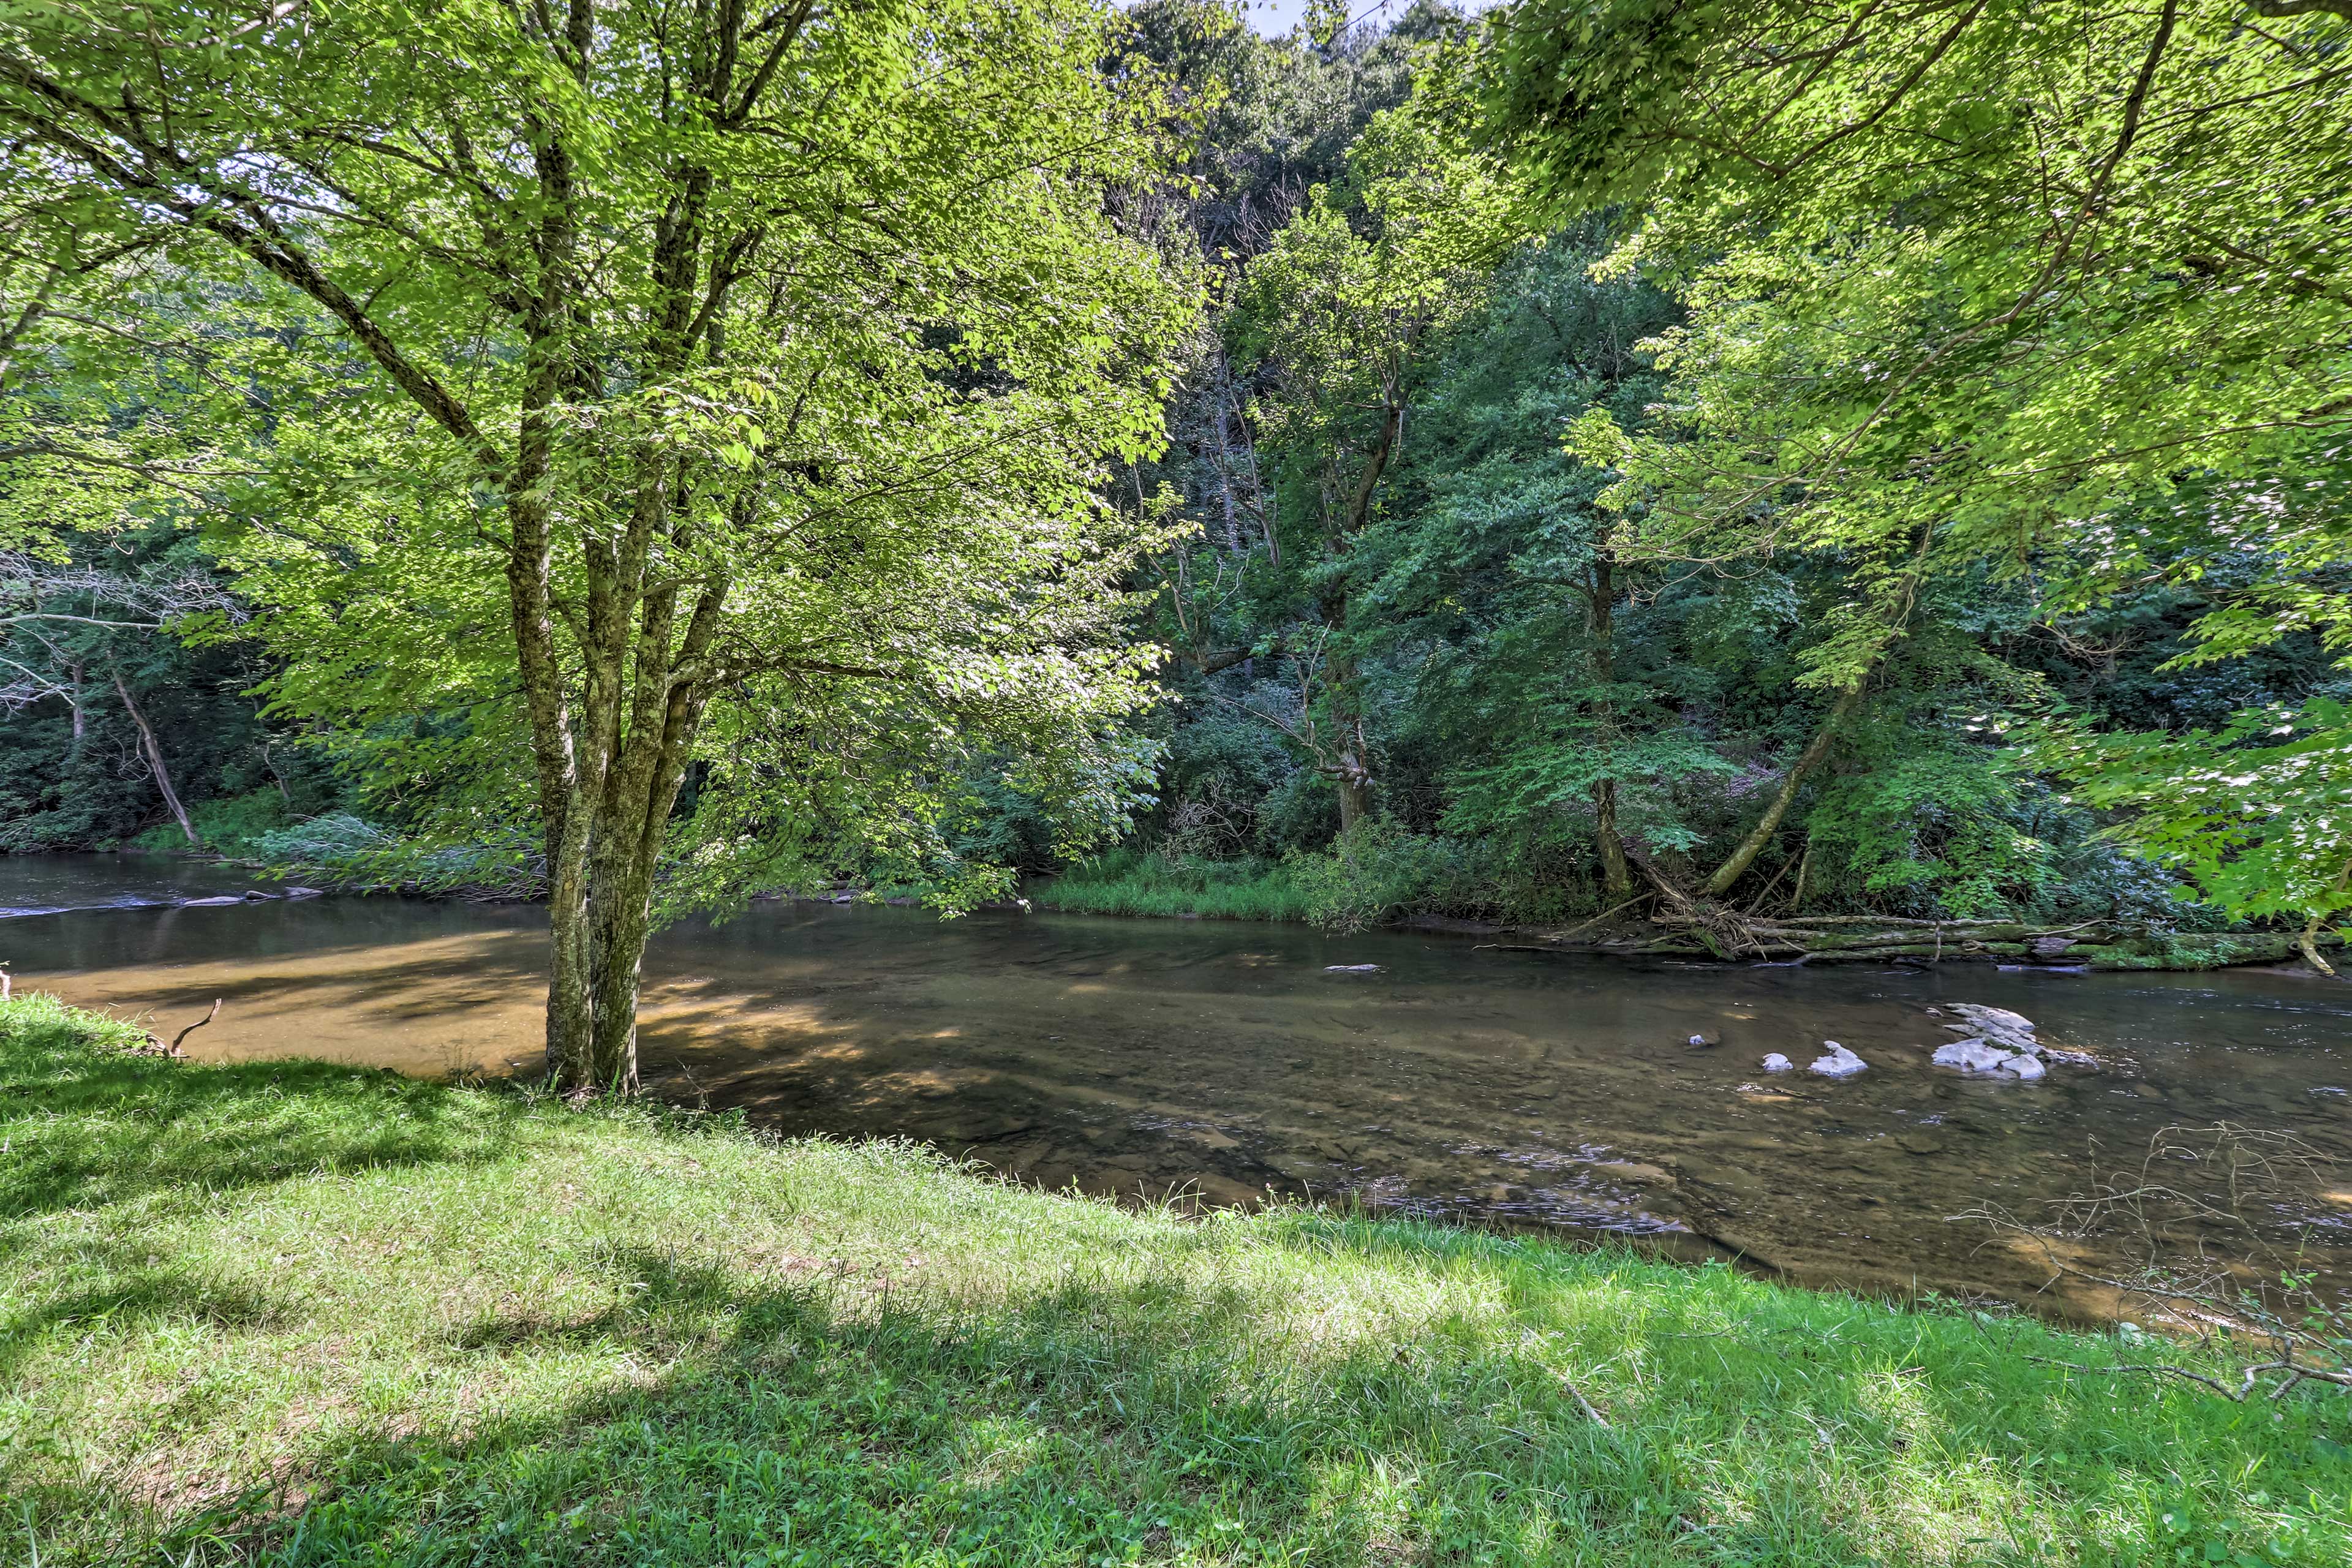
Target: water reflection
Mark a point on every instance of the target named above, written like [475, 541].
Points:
[1225, 1060]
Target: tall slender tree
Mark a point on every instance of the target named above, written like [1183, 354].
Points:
[1341, 306]
[719, 353]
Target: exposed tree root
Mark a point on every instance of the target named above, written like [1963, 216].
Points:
[181, 1039]
[2307, 943]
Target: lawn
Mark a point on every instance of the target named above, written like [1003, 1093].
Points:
[299, 1314]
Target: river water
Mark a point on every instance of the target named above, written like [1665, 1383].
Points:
[1224, 1060]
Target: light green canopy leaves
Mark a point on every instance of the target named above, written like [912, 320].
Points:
[619, 364]
[2059, 289]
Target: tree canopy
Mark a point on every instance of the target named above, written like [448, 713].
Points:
[2056, 293]
[606, 363]
[1594, 460]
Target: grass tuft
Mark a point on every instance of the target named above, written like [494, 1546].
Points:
[1130, 882]
[292, 1313]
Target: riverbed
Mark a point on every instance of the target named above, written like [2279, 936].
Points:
[1223, 1062]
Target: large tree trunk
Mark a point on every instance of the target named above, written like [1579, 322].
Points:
[1355, 795]
[1732, 870]
[615, 701]
[154, 754]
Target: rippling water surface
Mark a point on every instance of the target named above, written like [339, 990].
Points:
[1226, 1059]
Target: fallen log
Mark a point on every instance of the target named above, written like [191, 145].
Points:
[1686, 928]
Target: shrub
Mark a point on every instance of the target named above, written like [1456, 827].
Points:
[230, 824]
[1381, 869]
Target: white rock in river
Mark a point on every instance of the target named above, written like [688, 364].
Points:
[1975, 1056]
[1776, 1062]
[1839, 1063]
[1998, 1025]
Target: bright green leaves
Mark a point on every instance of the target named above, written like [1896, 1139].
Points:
[1361, 276]
[2059, 294]
[2260, 812]
[651, 369]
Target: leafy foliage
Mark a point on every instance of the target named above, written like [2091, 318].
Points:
[2059, 293]
[648, 386]
[1842, 456]
[2259, 811]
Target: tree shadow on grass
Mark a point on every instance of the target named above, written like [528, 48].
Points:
[143, 1293]
[90, 1128]
[828, 1418]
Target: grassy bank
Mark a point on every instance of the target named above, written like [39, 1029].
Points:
[294, 1313]
[1132, 882]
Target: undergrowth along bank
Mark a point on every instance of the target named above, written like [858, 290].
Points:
[1133, 882]
[298, 1313]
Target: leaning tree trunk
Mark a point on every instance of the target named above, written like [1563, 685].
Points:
[154, 754]
[1732, 870]
[1897, 597]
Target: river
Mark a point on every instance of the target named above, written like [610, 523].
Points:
[1223, 1060]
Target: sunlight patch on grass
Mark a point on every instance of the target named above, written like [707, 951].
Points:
[293, 1314]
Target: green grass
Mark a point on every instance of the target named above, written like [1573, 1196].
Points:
[296, 1313]
[1130, 882]
[228, 824]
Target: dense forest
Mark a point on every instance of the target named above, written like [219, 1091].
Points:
[1599, 459]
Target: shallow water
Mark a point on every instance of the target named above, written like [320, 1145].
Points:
[1226, 1059]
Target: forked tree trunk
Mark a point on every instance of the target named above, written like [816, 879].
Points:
[155, 756]
[607, 812]
[1355, 795]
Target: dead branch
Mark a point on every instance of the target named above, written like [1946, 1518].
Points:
[180, 1038]
[1616, 910]
[2207, 1267]
[1584, 1405]
[2250, 1380]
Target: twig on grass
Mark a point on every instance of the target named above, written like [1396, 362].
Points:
[192, 1029]
[1584, 1405]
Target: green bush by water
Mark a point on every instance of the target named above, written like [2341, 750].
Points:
[299, 1314]
[232, 825]
[1375, 874]
[1137, 882]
